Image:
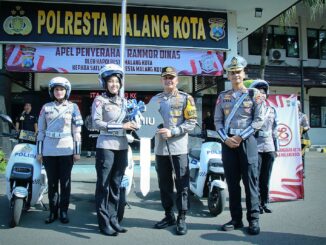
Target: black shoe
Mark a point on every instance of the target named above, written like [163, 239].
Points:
[254, 228]
[167, 221]
[181, 225]
[267, 209]
[232, 225]
[52, 217]
[261, 210]
[116, 226]
[64, 217]
[108, 231]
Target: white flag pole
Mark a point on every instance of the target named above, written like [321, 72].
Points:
[123, 44]
[145, 165]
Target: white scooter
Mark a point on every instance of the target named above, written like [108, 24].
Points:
[26, 180]
[207, 173]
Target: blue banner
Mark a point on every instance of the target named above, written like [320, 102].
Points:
[23, 22]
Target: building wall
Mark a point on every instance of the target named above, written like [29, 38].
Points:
[304, 18]
[302, 21]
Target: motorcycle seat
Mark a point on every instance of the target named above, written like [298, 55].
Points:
[195, 153]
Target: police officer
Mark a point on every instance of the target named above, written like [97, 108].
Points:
[59, 145]
[238, 114]
[108, 114]
[171, 148]
[26, 120]
[268, 145]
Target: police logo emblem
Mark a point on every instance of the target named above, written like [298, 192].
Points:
[234, 61]
[26, 149]
[217, 26]
[17, 23]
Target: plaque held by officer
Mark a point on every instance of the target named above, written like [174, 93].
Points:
[238, 115]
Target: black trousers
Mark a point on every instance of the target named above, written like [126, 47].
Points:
[58, 169]
[164, 171]
[242, 163]
[110, 168]
[265, 166]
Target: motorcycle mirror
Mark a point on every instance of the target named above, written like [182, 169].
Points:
[6, 118]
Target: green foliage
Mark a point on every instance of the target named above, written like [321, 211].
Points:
[3, 161]
[316, 8]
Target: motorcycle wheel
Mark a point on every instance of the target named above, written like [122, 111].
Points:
[122, 204]
[16, 211]
[216, 201]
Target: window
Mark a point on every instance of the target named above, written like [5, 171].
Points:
[279, 37]
[317, 112]
[316, 41]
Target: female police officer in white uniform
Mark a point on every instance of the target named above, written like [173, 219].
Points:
[108, 114]
[268, 145]
[58, 145]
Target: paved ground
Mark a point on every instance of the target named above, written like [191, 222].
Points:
[297, 222]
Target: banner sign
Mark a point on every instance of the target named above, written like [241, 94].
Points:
[23, 22]
[287, 175]
[78, 59]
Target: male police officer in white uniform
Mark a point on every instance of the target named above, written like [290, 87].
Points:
[171, 148]
[238, 114]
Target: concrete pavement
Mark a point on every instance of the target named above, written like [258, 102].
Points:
[296, 222]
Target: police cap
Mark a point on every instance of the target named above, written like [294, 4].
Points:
[169, 70]
[235, 63]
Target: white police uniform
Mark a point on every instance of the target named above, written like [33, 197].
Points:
[58, 139]
[240, 113]
[267, 136]
[108, 114]
[59, 128]
[268, 144]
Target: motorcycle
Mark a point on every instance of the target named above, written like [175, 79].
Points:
[207, 173]
[26, 180]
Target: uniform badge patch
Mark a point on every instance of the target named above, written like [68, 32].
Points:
[98, 103]
[259, 98]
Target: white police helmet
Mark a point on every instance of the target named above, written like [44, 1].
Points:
[59, 81]
[260, 84]
[108, 71]
[234, 63]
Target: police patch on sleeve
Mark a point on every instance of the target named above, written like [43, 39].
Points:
[259, 98]
[190, 110]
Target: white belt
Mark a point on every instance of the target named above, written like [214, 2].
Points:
[118, 132]
[264, 134]
[57, 135]
[235, 131]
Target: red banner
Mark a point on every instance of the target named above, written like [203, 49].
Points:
[287, 175]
